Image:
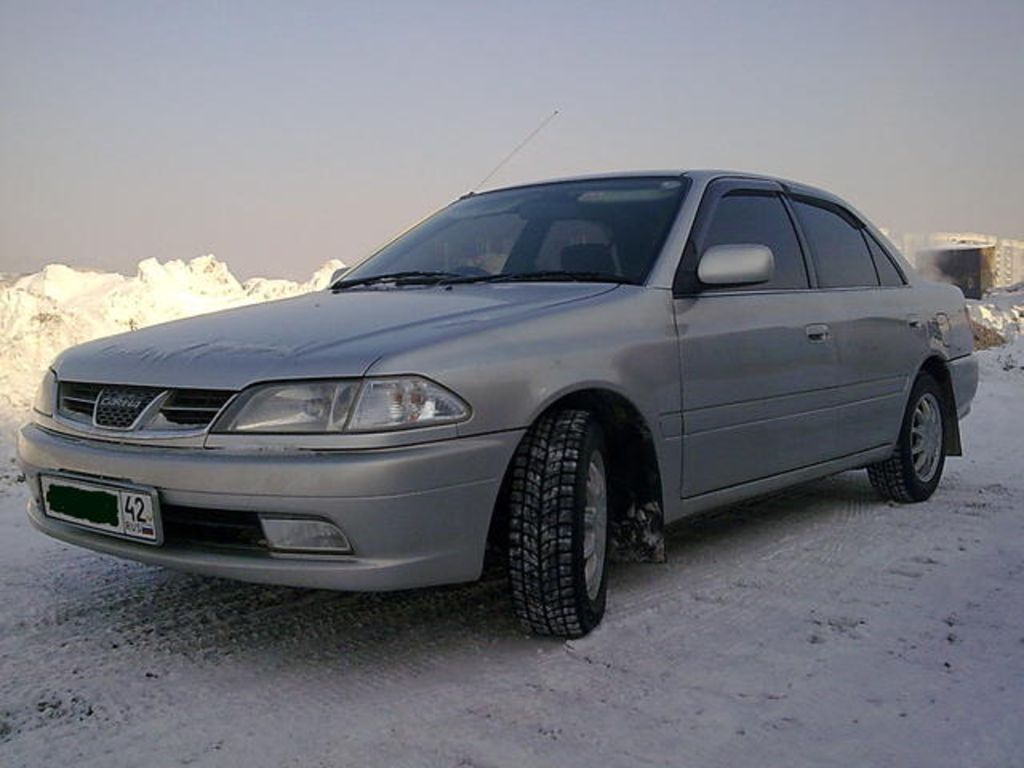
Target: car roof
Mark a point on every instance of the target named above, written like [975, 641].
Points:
[701, 177]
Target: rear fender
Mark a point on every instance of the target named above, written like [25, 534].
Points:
[951, 436]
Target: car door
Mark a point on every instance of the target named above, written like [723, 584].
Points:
[757, 361]
[878, 337]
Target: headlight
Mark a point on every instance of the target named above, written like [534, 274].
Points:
[46, 395]
[319, 407]
[315, 406]
[408, 401]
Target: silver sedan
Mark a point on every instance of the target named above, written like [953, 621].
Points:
[548, 374]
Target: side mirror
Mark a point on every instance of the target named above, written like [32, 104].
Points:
[740, 264]
[337, 274]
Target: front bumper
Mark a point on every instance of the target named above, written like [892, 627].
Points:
[416, 515]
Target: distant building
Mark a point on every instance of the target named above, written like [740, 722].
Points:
[1002, 257]
[970, 267]
[1010, 261]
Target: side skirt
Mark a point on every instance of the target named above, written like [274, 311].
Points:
[697, 504]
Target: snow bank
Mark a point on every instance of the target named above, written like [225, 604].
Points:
[1001, 310]
[59, 306]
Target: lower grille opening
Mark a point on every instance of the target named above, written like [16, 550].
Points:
[222, 528]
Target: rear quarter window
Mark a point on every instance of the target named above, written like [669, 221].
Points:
[888, 274]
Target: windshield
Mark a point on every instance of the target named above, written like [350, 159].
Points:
[602, 227]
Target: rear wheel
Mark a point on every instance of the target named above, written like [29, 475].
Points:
[558, 525]
[913, 471]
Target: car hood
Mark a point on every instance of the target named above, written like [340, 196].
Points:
[312, 336]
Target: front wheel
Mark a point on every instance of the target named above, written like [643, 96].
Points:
[558, 525]
[912, 473]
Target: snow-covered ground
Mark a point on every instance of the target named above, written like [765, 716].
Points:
[821, 627]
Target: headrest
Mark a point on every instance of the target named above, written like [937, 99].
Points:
[588, 257]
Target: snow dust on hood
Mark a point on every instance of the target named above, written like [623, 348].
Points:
[317, 335]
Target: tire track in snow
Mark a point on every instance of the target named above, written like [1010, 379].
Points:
[744, 589]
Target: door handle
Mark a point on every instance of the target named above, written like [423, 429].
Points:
[818, 332]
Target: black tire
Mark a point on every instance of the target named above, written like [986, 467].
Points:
[898, 478]
[546, 528]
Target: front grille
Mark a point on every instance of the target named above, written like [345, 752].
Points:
[223, 528]
[194, 407]
[119, 407]
[76, 397]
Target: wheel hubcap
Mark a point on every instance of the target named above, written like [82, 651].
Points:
[595, 525]
[926, 437]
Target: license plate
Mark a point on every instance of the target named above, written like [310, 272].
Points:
[128, 511]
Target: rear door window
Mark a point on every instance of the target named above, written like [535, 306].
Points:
[841, 255]
[759, 218]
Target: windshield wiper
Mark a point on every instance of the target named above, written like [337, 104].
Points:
[545, 276]
[410, 277]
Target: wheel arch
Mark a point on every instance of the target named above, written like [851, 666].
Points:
[936, 367]
[636, 514]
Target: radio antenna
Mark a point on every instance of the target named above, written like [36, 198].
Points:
[518, 147]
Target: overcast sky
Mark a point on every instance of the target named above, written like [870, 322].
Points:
[280, 134]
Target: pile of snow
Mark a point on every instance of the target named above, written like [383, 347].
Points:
[1002, 310]
[43, 313]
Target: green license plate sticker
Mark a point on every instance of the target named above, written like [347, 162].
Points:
[119, 511]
